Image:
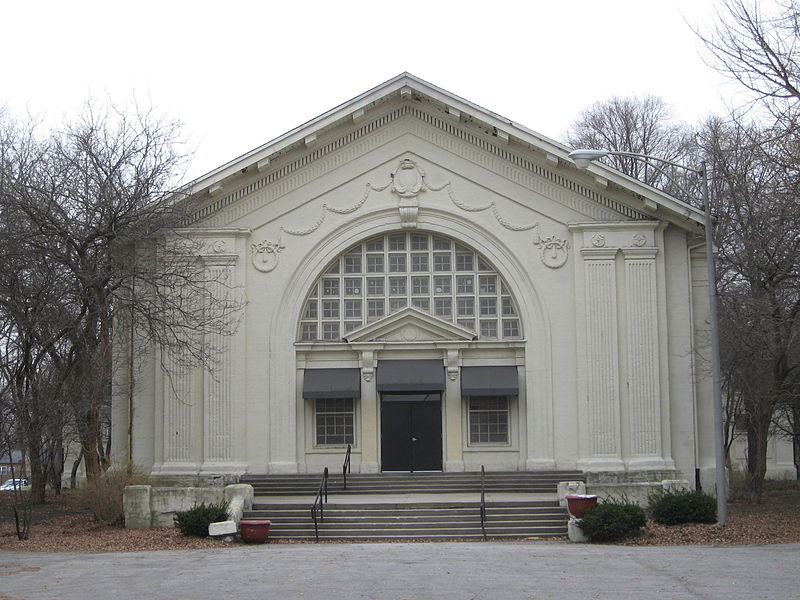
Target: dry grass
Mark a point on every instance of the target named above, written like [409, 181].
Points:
[65, 525]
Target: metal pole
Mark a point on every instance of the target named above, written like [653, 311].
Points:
[719, 438]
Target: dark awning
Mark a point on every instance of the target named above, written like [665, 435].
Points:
[489, 381]
[332, 383]
[410, 376]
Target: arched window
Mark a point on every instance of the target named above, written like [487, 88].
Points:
[430, 272]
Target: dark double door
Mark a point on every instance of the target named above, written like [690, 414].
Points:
[411, 432]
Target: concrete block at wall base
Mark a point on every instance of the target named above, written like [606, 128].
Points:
[136, 507]
[574, 532]
[165, 502]
[675, 485]
[637, 493]
[568, 488]
[223, 528]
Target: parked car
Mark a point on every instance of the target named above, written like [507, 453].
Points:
[10, 484]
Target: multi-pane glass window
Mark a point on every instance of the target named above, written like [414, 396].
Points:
[488, 420]
[390, 272]
[335, 419]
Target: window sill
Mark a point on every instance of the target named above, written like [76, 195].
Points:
[491, 448]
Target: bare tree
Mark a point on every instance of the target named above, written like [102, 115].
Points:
[643, 125]
[97, 205]
[759, 50]
[757, 234]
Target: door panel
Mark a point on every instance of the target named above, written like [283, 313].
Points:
[411, 432]
[426, 440]
[395, 436]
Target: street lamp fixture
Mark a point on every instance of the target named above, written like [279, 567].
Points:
[582, 158]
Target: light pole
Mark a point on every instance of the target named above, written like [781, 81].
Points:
[582, 159]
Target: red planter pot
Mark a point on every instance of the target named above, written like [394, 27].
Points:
[254, 531]
[578, 504]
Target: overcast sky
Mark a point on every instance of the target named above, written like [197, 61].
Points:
[238, 74]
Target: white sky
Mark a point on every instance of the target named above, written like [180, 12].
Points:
[238, 74]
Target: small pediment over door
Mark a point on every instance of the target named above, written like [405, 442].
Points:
[410, 325]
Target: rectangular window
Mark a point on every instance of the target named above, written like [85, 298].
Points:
[375, 245]
[464, 262]
[420, 285]
[488, 420]
[397, 263]
[488, 307]
[351, 326]
[374, 263]
[465, 284]
[441, 244]
[352, 263]
[330, 331]
[397, 242]
[330, 287]
[421, 303]
[335, 421]
[308, 332]
[441, 262]
[442, 284]
[375, 309]
[375, 286]
[396, 304]
[489, 329]
[419, 262]
[443, 307]
[397, 286]
[352, 286]
[352, 309]
[466, 306]
[510, 328]
[330, 309]
[467, 324]
[419, 242]
[487, 284]
[508, 307]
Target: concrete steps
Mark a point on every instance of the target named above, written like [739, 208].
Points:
[436, 520]
[405, 483]
[432, 506]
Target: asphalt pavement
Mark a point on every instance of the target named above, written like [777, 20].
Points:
[410, 571]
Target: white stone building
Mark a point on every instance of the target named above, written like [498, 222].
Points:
[442, 289]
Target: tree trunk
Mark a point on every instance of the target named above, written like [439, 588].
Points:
[796, 454]
[73, 474]
[757, 438]
[38, 472]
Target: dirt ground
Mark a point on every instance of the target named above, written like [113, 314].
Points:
[63, 525]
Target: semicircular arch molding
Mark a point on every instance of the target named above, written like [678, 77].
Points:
[532, 313]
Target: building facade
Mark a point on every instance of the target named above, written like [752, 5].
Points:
[441, 289]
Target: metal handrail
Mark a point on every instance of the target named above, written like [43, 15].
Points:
[346, 466]
[319, 502]
[483, 501]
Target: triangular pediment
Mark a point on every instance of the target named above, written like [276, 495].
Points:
[251, 180]
[410, 325]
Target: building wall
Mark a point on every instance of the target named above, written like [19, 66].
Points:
[607, 297]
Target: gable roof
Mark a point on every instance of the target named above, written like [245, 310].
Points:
[407, 86]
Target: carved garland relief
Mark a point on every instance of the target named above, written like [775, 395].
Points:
[407, 182]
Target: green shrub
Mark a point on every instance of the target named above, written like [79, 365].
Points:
[103, 495]
[196, 520]
[683, 506]
[612, 521]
